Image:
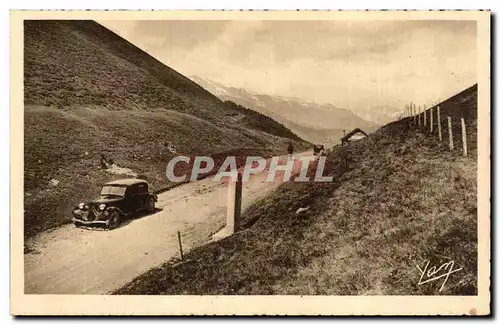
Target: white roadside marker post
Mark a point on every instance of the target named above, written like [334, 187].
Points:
[233, 216]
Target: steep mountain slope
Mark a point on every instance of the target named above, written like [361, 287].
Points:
[89, 92]
[399, 199]
[321, 123]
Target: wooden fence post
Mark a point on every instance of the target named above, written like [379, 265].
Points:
[233, 216]
[180, 244]
[464, 137]
[450, 133]
[419, 115]
[414, 110]
[430, 111]
[425, 118]
[439, 125]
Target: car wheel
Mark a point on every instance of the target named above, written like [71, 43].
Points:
[150, 204]
[114, 220]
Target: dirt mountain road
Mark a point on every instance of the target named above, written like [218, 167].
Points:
[70, 260]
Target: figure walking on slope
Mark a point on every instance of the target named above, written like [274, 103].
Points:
[290, 150]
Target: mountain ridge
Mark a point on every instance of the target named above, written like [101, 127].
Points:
[312, 121]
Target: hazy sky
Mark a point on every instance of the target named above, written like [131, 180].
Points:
[351, 64]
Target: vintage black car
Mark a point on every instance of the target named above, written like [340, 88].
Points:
[118, 199]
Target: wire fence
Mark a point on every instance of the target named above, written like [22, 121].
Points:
[453, 122]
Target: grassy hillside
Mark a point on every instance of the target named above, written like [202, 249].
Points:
[399, 199]
[261, 122]
[89, 92]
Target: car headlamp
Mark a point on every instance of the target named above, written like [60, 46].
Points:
[81, 206]
[102, 206]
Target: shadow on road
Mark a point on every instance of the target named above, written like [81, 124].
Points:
[137, 216]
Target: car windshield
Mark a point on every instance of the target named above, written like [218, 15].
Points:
[113, 190]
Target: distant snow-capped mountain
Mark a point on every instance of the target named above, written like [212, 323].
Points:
[380, 114]
[321, 123]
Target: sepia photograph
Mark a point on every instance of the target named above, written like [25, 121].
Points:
[227, 162]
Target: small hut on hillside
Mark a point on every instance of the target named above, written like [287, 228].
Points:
[354, 135]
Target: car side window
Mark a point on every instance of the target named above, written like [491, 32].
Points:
[132, 190]
[142, 188]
